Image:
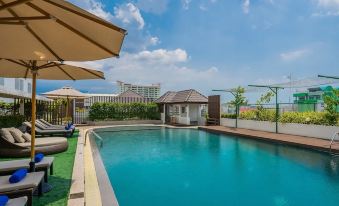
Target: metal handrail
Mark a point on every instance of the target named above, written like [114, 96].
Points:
[336, 134]
[96, 135]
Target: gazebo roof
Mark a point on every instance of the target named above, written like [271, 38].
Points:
[185, 96]
[131, 94]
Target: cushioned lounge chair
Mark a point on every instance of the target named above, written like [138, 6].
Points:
[46, 145]
[8, 167]
[45, 127]
[50, 125]
[25, 187]
[20, 201]
[50, 132]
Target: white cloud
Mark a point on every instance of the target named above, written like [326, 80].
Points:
[186, 4]
[95, 7]
[169, 67]
[328, 3]
[154, 41]
[153, 6]
[327, 8]
[294, 55]
[246, 6]
[129, 14]
[162, 56]
[202, 7]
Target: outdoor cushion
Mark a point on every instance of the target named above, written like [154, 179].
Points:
[3, 200]
[38, 157]
[44, 141]
[27, 136]
[5, 133]
[17, 176]
[17, 135]
[32, 180]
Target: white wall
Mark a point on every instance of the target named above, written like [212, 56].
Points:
[317, 131]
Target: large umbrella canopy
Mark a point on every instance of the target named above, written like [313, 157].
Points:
[65, 92]
[43, 70]
[55, 30]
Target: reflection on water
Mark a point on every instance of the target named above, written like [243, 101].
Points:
[193, 167]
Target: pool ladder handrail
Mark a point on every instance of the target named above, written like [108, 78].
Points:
[336, 134]
[96, 135]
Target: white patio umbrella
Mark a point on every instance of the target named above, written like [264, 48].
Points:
[67, 93]
[52, 30]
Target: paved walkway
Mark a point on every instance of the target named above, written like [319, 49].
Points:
[308, 142]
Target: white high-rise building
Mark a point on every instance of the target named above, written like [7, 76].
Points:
[147, 91]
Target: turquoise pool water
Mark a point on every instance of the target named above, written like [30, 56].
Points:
[177, 167]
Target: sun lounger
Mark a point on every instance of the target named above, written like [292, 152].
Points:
[20, 201]
[45, 127]
[25, 187]
[8, 167]
[51, 132]
[49, 124]
[46, 145]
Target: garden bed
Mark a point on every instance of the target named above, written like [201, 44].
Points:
[309, 130]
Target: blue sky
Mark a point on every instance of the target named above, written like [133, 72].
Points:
[208, 44]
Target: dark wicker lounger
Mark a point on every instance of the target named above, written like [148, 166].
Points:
[46, 145]
[25, 187]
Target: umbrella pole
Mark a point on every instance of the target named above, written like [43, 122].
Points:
[34, 73]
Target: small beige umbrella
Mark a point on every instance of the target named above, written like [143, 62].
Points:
[65, 93]
[55, 30]
[43, 70]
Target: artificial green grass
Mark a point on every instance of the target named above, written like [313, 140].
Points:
[61, 180]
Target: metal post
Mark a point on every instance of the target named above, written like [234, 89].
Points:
[276, 110]
[236, 115]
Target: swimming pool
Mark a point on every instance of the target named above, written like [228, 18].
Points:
[164, 166]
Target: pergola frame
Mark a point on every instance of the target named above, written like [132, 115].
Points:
[275, 90]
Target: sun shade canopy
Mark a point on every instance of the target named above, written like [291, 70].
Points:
[55, 30]
[46, 70]
[65, 92]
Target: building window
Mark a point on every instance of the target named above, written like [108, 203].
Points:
[29, 87]
[19, 84]
[183, 110]
[2, 81]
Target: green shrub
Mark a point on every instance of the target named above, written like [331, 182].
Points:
[11, 121]
[229, 116]
[123, 111]
[259, 115]
[318, 118]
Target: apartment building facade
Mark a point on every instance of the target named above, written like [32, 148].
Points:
[148, 91]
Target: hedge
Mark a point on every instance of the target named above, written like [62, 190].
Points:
[123, 111]
[317, 118]
[11, 121]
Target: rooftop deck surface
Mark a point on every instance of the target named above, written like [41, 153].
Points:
[301, 141]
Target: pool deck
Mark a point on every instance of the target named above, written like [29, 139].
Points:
[300, 141]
